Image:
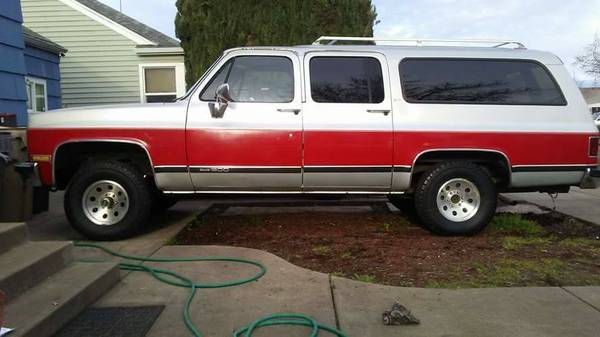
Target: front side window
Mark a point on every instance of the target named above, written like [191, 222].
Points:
[37, 100]
[346, 80]
[160, 84]
[258, 79]
[478, 81]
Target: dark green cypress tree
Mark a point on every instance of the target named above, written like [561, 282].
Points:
[207, 27]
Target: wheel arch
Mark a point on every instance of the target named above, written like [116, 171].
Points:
[501, 170]
[116, 145]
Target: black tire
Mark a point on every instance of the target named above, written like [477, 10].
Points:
[426, 195]
[130, 179]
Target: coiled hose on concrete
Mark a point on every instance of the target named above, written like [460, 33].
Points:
[172, 278]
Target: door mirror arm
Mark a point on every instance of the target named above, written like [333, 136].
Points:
[217, 109]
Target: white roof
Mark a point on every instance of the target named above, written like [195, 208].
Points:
[423, 51]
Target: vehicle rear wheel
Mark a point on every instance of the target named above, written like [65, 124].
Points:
[456, 198]
[107, 200]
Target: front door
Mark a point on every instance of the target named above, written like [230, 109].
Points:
[257, 144]
[348, 134]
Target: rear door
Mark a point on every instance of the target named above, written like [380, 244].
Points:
[348, 137]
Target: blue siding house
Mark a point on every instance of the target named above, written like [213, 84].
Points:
[13, 98]
[29, 70]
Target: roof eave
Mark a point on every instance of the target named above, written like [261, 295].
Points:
[159, 51]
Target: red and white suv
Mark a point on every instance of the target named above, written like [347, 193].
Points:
[442, 129]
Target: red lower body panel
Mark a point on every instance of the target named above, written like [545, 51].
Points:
[213, 147]
[319, 148]
[165, 146]
[521, 148]
[334, 148]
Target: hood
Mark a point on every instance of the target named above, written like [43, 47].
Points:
[150, 115]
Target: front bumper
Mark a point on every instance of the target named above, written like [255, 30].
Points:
[591, 179]
[29, 170]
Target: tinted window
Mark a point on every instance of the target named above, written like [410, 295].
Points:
[346, 80]
[266, 79]
[478, 82]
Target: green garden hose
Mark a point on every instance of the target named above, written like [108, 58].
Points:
[172, 278]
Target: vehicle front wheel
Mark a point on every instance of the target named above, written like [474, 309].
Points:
[456, 198]
[108, 200]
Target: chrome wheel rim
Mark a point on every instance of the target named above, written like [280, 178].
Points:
[458, 200]
[105, 202]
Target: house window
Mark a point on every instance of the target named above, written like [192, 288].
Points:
[161, 82]
[37, 96]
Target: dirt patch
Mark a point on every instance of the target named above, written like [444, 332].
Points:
[385, 247]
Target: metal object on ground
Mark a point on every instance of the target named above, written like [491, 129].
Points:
[399, 315]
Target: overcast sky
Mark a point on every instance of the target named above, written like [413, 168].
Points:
[563, 27]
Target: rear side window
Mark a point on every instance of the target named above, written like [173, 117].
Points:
[478, 81]
[346, 80]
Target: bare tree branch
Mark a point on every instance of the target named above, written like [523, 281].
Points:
[590, 61]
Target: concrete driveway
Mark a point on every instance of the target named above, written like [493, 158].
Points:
[352, 306]
[578, 203]
[53, 225]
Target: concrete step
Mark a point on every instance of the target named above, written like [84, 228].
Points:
[24, 266]
[44, 309]
[12, 234]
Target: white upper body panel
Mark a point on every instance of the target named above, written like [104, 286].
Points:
[134, 116]
[572, 117]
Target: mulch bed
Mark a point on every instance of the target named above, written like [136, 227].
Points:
[386, 247]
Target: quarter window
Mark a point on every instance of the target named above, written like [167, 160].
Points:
[346, 80]
[258, 79]
[469, 81]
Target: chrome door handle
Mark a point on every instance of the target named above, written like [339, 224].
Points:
[384, 112]
[295, 111]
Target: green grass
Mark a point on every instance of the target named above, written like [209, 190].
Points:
[346, 256]
[387, 226]
[509, 272]
[171, 241]
[197, 222]
[588, 246]
[321, 250]
[516, 242]
[579, 243]
[516, 224]
[364, 278]
[256, 220]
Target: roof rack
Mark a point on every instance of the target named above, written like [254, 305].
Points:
[331, 40]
